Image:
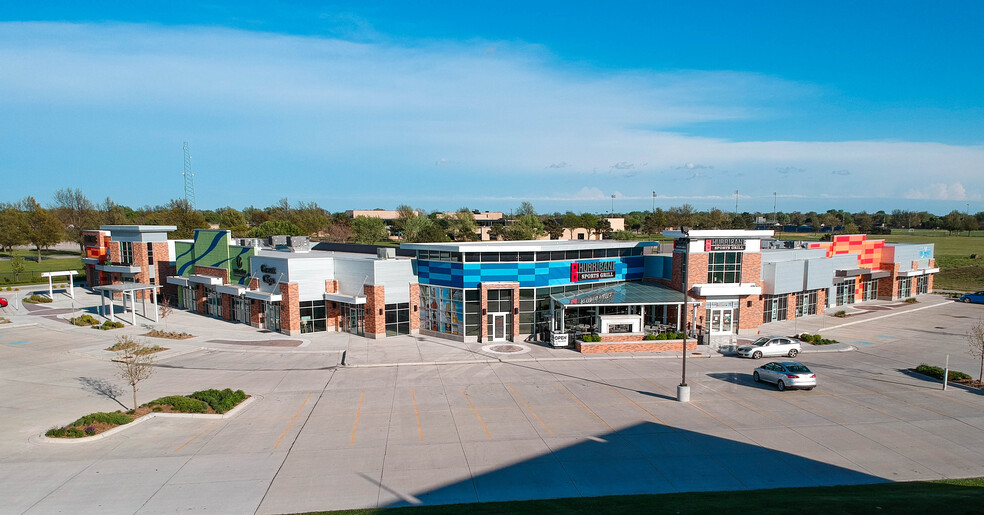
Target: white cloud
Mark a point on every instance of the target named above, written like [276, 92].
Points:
[942, 191]
[378, 112]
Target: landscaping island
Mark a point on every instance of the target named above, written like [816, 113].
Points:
[209, 402]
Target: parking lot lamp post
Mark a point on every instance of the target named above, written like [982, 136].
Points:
[683, 390]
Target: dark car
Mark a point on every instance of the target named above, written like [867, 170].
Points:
[3, 302]
[977, 298]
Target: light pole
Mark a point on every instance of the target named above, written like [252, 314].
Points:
[613, 206]
[654, 203]
[683, 390]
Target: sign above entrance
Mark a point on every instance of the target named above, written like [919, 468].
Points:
[592, 271]
[716, 244]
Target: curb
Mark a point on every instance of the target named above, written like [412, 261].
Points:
[17, 326]
[105, 434]
[606, 356]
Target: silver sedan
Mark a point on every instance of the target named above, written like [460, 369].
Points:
[786, 374]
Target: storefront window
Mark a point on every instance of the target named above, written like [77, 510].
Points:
[806, 303]
[313, 316]
[272, 316]
[353, 319]
[905, 286]
[922, 284]
[724, 267]
[442, 310]
[845, 294]
[397, 319]
[869, 290]
[775, 308]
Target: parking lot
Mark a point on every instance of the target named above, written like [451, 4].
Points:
[394, 427]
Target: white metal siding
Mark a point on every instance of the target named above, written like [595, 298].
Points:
[395, 275]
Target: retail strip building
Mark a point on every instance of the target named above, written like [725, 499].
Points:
[509, 291]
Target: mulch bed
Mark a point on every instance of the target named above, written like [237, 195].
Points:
[169, 335]
[102, 427]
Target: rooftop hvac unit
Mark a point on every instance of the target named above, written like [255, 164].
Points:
[299, 243]
[386, 253]
[277, 241]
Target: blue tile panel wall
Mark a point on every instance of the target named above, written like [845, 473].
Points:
[529, 274]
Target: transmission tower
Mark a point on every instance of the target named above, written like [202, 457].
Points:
[189, 178]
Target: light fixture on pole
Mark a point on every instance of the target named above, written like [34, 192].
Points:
[654, 203]
[613, 205]
[683, 390]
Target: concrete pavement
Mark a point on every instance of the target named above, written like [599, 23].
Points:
[479, 426]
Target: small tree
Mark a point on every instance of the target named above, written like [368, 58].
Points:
[133, 362]
[976, 340]
[16, 266]
[166, 310]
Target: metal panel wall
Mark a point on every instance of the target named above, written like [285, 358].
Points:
[351, 274]
[395, 275]
[310, 275]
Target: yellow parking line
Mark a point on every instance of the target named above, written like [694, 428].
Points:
[530, 410]
[740, 403]
[292, 421]
[634, 404]
[575, 399]
[480, 421]
[358, 412]
[209, 428]
[818, 410]
[416, 412]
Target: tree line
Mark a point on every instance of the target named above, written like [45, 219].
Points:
[28, 222]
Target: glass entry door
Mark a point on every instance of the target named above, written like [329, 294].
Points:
[720, 320]
[497, 327]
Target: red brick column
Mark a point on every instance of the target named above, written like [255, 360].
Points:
[696, 272]
[751, 268]
[333, 313]
[226, 307]
[140, 260]
[114, 252]
[484, 300]
[821, 301]
[375, 311]
[751, 310]
[414, 308]
[290, 309]
[201, 302]
[888, 287]
[331, 286]
[791, 306]
[255, 312]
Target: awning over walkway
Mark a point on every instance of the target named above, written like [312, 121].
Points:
[126, 289]
[622, 294]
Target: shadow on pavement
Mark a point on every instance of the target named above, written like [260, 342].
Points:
[103, 388]
[645, 458]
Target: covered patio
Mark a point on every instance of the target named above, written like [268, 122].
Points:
[632, 309]
[127, 290]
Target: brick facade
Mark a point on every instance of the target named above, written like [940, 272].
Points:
[633, 346]
[375, 311]
[210, 271]
[255, 312]
[290, 309]
[888, 287]
[414, 308]
[226, 307]
[484, 300]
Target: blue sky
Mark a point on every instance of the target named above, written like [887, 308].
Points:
[848, 105]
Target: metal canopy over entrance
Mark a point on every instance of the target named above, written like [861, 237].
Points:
[635, 295]
[127, 289]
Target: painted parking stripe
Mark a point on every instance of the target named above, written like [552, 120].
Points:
[859, 342]
[480, 421]
[22, 342]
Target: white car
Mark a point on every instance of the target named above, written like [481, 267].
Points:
[770, 346]
[786, 374]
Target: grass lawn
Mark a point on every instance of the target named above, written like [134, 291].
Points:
[32, 269]
[950, 497]
[957, 270]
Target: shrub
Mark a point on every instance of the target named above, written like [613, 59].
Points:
[90, 430]
[74, 432]
[661, 336]
[911, 300]
[107, 325]
[180, 403]
[115, 418]
[590, 338]
[816, 339]
[221, 401]
[840, 314]
[58, 432]
[649, 337]
[37, 299]
[937, 372]
[85, 319]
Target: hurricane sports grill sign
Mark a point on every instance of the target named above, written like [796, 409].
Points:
[592, 271]
[716, 244]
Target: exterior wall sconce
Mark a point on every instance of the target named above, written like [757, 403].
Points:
[515, 311]
[484, 311]
[380, 311]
